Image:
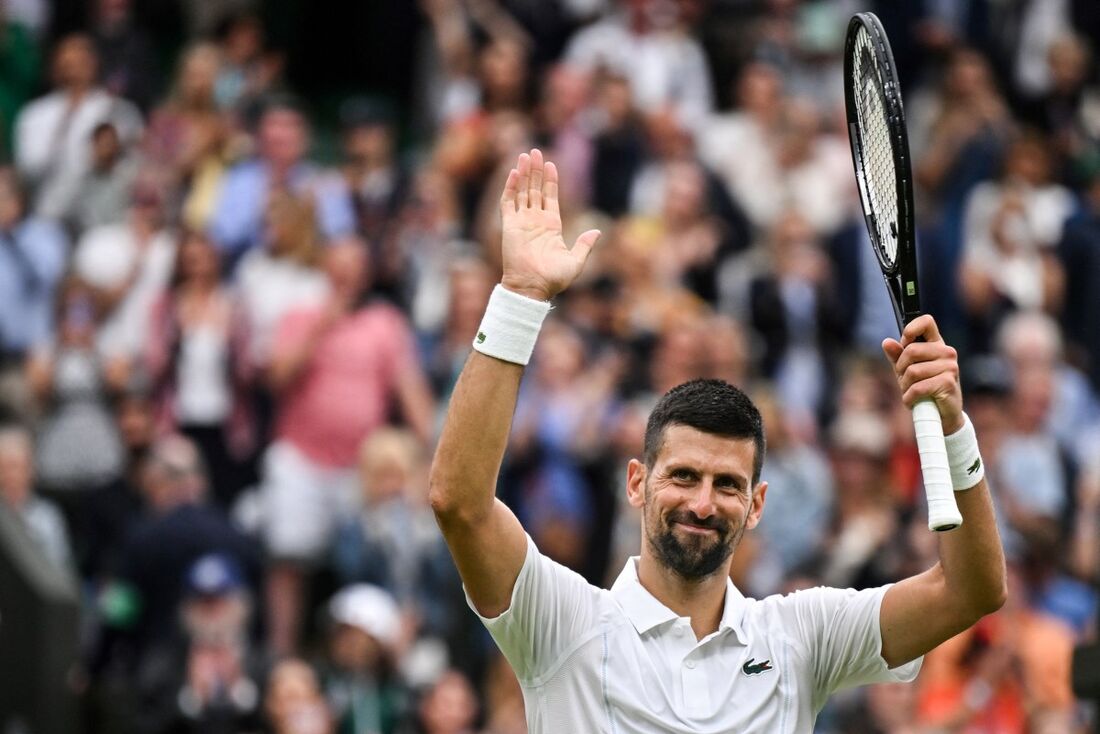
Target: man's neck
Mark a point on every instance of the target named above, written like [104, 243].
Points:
[703, 601]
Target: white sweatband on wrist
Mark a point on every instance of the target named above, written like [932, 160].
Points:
[967, 467]
[510, 326]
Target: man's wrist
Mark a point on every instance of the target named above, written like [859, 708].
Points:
[963, 457]
[510, 326]
[532, 292]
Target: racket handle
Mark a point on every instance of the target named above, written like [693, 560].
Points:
[943, 512]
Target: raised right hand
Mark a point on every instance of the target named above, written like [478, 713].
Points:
[536, 261]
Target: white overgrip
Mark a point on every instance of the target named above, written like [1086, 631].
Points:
[943, 512]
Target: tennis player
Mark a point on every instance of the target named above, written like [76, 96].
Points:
[673, 646]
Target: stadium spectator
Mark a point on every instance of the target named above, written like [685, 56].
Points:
[196, 361]
[377, 182]
[364, 689]
[188, 136]
[103, 196]
[128, 61]
[294, 703]
[449, 707]
[78, 448]
[32, 261]
[282, 141]
[127, 264]
[179, 528]
[647, 43]
[20, 59]
[1079, 252]
[52, 133]
[42, 520]
[203, 677]
[336, 371]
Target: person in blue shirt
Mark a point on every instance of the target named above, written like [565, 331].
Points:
[32, 261]
[282, 141]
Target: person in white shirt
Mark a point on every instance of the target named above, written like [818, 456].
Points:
[674, 646]
[53, 133]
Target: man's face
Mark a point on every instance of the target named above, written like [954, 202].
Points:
[697, 500]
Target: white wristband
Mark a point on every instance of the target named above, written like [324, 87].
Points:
[967, 467]
[510, 326]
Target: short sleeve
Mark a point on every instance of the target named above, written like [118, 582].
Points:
[840, 631]
[551, 610]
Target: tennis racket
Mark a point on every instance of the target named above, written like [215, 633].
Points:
[880, 153]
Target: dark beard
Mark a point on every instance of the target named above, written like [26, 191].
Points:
[700, 556]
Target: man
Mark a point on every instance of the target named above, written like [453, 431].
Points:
[52, 132]
[43, 521]
[282, 141]
[32, 263]
[674, 646]
[336, 370]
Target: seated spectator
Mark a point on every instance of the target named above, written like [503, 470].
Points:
[450, 706]
[43, 522]
[32, 261]
[205, 678]
[294, 702]
[178, 529]
[387, 544]
[128, 264]
[337, 370]
[249, 70]
[78, 447]
[20, 57]
[52, 132]
[196, 362]
[103, 195]
[282, 139]
[360, 679]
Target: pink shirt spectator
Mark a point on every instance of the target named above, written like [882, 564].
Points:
[346, 390]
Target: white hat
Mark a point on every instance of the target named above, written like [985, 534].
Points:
[368, 608]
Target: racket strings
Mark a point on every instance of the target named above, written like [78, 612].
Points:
[878, 180]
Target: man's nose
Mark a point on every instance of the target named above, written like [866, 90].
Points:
[702, 503]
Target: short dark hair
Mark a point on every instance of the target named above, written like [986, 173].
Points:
[711, 406]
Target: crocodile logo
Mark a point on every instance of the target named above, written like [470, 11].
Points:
[975, 466]
[750, 669]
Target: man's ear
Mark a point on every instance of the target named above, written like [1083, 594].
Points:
[756, 510]
[635, 483]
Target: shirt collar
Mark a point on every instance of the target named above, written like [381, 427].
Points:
[645, 612]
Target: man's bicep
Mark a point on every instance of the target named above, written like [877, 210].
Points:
[917, 615]
[489, 555]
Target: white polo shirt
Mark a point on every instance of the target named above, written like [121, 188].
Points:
[620, 662]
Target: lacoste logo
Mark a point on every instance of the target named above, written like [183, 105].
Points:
[750, 669]
[481, 337]
[975, 466]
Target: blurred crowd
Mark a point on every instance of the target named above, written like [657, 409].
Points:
[225, 353]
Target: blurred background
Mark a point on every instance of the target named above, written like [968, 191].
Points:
[244, 247]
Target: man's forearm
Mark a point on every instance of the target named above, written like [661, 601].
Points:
[475, 434]
[972, 557]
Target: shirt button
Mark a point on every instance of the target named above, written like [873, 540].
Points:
[678, 631]
[690, 664]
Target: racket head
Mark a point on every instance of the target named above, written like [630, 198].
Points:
[880, 154]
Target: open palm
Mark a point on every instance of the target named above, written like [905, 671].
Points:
[537, 262]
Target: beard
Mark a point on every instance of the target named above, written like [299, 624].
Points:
[696, 556]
